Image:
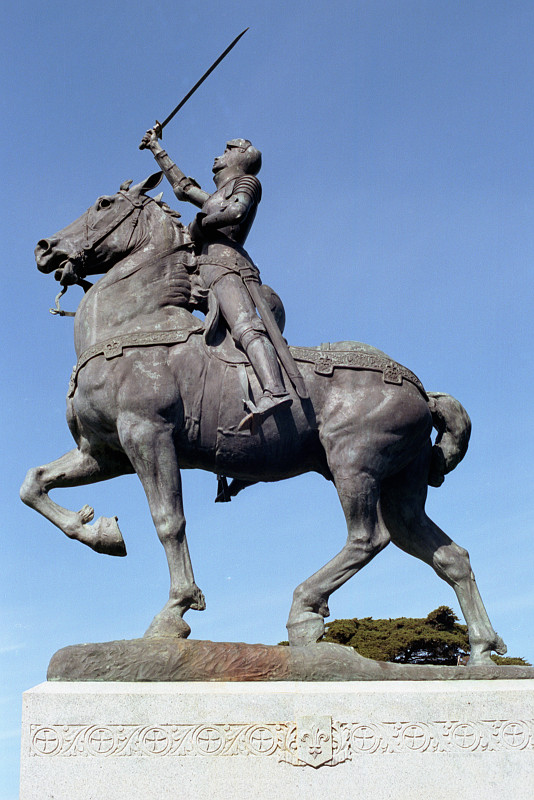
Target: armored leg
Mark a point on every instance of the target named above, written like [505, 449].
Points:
[248, 330]
[263, 358]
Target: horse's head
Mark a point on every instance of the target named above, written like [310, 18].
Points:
[108, 231]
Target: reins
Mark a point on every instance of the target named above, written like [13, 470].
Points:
[60, 312]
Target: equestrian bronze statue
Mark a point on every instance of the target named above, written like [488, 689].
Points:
[156, 390]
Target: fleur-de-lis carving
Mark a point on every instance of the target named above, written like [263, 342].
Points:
[315, 740]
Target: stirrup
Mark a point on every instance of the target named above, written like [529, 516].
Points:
[267, 405]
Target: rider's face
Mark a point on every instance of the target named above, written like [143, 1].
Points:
[232, 156]
[220, 162]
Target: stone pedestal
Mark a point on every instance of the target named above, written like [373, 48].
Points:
[284, 740]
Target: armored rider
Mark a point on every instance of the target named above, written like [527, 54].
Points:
[219, 231]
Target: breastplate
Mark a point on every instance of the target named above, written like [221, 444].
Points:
[219, 201]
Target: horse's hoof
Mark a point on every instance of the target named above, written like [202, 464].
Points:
[481, 656]
[108, 538]
[164, 625]
[306, 632]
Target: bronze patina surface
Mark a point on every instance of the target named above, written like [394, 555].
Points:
[156, 390]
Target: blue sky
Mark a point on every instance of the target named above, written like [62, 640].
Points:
[398, 210]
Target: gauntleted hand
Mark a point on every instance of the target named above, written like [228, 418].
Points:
[195, 228]
[150, 139]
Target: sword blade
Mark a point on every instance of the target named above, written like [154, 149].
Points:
[201, 81]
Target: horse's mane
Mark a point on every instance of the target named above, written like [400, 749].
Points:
[193, 294]
[167, 209]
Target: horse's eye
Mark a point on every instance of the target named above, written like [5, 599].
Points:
[104, 203]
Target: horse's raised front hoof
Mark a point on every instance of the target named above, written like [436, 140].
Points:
[165, 624]
[108, 538]
[305, 631]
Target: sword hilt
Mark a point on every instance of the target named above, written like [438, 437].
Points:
[158, 130]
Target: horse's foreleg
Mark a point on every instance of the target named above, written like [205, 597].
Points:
[150, 447]
[76, 468]
[359, 494]
[415, 533]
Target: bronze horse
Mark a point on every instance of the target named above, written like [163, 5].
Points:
[150, 396]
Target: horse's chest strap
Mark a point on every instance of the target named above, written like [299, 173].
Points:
[113, 348]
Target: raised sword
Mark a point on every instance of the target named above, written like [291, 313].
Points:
[158, 127]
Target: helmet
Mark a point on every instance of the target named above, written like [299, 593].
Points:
[252, 160]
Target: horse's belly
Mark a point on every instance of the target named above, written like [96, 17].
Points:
[278, 451]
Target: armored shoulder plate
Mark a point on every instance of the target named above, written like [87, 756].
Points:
[250, 185]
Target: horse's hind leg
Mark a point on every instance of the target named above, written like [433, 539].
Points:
[76, 468]
[150, 447]
[367, 536]
[403, 500]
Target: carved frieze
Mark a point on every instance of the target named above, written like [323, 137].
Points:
[310, 741]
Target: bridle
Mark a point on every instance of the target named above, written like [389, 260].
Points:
[73, 271]
[138, 204]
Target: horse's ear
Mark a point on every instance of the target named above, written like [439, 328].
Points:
[148, 183]
[125, 186]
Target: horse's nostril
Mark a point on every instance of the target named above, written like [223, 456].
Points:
[43, 244]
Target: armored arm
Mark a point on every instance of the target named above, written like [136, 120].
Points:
[235, 212]
[246, 194]
[183, 187]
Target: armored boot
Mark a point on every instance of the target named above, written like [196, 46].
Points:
[263, 358]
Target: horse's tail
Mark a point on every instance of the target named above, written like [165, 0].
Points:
[453, 425]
